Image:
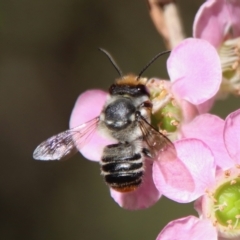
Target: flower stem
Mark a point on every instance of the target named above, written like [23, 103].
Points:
[166, 18]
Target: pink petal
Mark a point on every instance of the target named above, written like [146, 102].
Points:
[189, 227]
[232, 135]
[214, 18]
[233, 8]
[189, 110]
[209, 129]
[206, 106]
[198, 206]
[145, 196]
[198, 160]
[211, 22]
[174, 171]
[88, 106]
[194, 68]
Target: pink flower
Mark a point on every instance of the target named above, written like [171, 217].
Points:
[218, 22]
[189, 227]
[182, 180]
[209, 129]
[194, 71]
[195, 77]
[195, 74]
[219, 206]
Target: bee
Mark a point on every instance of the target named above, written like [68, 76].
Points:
[126, 117]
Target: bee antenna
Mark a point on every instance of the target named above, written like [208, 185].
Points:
[112, 61]
[153, 60]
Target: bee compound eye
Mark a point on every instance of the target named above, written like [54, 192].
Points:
[112, 88]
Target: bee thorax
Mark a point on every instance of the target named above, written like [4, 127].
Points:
[119, 114]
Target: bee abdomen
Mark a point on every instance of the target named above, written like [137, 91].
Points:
[124, 182]
[116, 167]
[123, 176]
[121, 171]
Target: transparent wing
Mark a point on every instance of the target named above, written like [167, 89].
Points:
[156, 142]
[164, 153]
[65, 144]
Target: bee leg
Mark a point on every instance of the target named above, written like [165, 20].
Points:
[147, 153]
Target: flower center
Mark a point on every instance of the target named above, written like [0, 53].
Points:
[166, 114]
[228, 204]
[221, 204]
[229, 54]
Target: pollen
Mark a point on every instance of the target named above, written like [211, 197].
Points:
[235, 65]
[233, 182]
[174, 103]
[221, 203]
[174, 122]
[229, 224]
[152, 81]
[215, 223]
[163, 93]
[166, 113]
[227, 173]
[237, 166]
[164, 132]
[169, 114]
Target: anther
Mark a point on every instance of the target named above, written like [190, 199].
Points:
[232, 182]
[227, 173]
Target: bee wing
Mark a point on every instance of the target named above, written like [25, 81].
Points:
[157, 143]
[163, 151]
[65, 144]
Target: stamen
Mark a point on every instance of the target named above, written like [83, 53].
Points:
[232, 182]
[221, 203]
[208, 215]
[237, 221]
[169, 114]
[174, 103]
[211, 196]
[174, 123]
[164, 132]
[166, 114]
[227, 173]
[215, 223]
[220, 207]
[229, 54]
[237, 166]
[229, 226]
